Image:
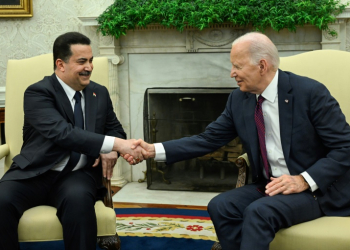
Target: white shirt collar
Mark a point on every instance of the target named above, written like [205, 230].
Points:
[69, 91]
[271, 90]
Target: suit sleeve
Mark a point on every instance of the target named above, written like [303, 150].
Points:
[216, 135]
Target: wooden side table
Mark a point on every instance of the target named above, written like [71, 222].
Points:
[2, 125]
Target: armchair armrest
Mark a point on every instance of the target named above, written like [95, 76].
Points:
[4, 150]
[242, 164]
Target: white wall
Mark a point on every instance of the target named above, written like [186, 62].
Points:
[27, 37]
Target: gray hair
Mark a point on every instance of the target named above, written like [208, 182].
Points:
[261, 47]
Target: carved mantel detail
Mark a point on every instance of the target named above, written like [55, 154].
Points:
[328, 37]
[196, 40]
[341, 26]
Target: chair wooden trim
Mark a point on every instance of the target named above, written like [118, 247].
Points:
[243, 171]
[107, 200]
[108, 242]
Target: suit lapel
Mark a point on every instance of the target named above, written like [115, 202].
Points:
[285, 104]
[249, 103]
[90, 107]
[63, 99]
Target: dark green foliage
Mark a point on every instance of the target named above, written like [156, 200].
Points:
[125, 15]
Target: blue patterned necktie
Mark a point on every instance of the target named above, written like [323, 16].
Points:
[79, 122]
[78, 112]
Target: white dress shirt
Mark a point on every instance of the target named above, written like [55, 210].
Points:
[108, 142]
[272, 136]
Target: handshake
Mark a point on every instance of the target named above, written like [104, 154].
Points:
[134, 151]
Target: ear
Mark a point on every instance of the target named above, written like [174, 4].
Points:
[263, 66]
[60, 65]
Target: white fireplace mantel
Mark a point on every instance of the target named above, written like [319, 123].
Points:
[159, 57]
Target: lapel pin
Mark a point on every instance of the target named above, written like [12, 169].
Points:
[286, 100]
[94, 94]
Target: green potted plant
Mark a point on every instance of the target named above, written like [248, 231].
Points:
[124, 15]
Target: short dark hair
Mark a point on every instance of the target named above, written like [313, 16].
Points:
[61, 46]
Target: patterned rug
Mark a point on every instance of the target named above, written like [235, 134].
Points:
[170, 229]
[153, 229]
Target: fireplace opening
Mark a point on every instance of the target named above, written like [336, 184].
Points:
[173, 113]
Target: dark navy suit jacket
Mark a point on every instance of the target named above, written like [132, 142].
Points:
[314, 134]
[49, 133]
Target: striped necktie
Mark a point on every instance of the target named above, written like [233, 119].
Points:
[260, 125]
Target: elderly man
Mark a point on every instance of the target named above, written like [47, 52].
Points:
[297, 140]
[71, 137]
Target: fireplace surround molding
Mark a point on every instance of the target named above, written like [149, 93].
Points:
[156, 56]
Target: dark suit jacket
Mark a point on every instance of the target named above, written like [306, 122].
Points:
[49, 133]
[315, 137]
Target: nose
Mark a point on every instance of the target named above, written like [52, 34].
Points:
[89, 66]
[233, 72]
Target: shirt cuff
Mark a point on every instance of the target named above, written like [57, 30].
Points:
[107, 145]
[310, 181]
[160, 152]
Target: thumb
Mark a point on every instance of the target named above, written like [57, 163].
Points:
[145, 153]
[136, 143]
[97, 161]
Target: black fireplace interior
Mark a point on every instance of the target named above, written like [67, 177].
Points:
[173, 113]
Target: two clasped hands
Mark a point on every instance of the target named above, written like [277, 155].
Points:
[133, 151]
[139, 151]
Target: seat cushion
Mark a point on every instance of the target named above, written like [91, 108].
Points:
[321, 234]
[41, 223]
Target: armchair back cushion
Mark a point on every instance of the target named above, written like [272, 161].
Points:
[330, 67]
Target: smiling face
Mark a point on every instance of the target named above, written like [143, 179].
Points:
[77, 70]
[248, 75]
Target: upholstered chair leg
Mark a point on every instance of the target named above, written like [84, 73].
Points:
[109, 242]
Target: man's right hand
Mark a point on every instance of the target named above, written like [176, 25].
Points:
[126, 147]
[147, 150]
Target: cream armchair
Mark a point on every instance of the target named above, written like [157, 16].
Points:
[41, 223]
[331, 67]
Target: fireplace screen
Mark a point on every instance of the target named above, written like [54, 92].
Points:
[173, 113]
